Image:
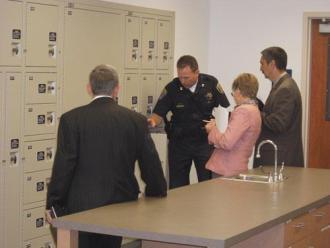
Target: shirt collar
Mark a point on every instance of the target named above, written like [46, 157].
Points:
[99, 96]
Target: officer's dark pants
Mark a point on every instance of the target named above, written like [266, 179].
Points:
[181, 153]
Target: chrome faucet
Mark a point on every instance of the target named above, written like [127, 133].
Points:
[276, 177]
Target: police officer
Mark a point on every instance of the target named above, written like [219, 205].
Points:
[191, 97]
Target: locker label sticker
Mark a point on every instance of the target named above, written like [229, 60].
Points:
[16, 34]
[134, 100]
[52, 36]
[14, 143]
[135, 43]
[151, 44]
[42, 88]
[166, 45]
[40, 186]
[150, 99]
[41, 119]
[39, 222]
[40, 156]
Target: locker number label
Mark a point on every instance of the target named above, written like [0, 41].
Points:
[41, 119]
[52, 36]
[16, 34]
[14, 143]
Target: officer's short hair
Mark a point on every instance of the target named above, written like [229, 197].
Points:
[277, 54]
[187, 60]
[247, 84]
[103, 79]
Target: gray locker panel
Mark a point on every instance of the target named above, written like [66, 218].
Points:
[11, 29]
[132, 41]
[91, 38]
[40, 88]
[2, 211]
[164, 44]
[12, 155]
[42, 242]
[35, 186]
[39, 155]
[148, 38]
[34, 223]
[148, 92]
[41, 34]
[40, 119]
[132, 92]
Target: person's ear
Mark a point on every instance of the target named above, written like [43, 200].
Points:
[89, 90]
[115, 91]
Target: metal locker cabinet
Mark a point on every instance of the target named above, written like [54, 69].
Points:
[164, 44]
[148, 91]
[148, 38]
[42, 242]
[39, 155]
[2, 138]
[11, 23]
[132, 95]
[91, 38]
[40, 88]
[40, 119]
[133, 42]
[41, 34]
[35, 186]
[161, 80]
[12, 156]
[34, 223]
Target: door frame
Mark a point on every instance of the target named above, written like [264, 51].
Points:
[306, 73]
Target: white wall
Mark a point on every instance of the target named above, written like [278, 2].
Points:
[240, 29]
[191, 25]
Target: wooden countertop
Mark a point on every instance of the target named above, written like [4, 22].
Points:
[216, 213]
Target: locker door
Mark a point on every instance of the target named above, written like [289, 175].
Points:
[41, 35]
[35, 186]
[164, 44]
[41, 242]
[148, 90]
[148, 43]
[12, 165]
[131, 89]
[39, 155]
[2, 227]
[40, 88]
[34, 223]
[133, 42]
[11, 22]
[40, 119]
[83, 28]
[162, 80]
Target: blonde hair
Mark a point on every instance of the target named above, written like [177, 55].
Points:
[247, 84]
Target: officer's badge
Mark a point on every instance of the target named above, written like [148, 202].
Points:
[163, 94]
[209, 96]
[219, 88]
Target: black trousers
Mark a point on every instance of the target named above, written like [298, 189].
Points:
[94, 240]
[181, 153]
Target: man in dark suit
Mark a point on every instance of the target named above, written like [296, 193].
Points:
[98, 145]
[282, 113]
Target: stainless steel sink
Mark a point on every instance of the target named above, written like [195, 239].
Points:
[251, 178]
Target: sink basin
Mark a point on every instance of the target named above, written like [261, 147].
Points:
[250, 178]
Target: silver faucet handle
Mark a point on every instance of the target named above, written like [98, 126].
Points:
[280, 176]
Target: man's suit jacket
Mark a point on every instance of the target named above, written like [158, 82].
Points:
[281, 123]
[98, 145]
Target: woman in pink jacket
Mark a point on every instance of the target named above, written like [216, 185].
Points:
[234, 147]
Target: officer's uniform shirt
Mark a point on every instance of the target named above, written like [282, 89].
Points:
[190, 108]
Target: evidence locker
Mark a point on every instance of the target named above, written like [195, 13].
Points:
[40, 88]
[132, 92]
[164, 44]
[11, 23]
[41, 242]
[40, 119]
[39, 155]
[35, 186]
[148, 91]
[133, 43]
[161, 80]
[34, 223]
[148, 38]
[41, 36]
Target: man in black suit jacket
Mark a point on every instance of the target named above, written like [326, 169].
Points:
[98, 145]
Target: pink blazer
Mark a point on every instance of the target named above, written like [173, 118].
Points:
[234, 147]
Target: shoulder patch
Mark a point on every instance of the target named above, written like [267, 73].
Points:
[163, 94]
[219, 88]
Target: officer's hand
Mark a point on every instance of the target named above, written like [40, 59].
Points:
[209, 125]
[48, 216]
[151, 122]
